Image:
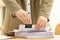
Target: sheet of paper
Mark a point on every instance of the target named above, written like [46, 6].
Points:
[22, 28]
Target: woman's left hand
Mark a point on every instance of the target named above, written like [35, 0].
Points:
[41, 23]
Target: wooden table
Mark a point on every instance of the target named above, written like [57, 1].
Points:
[57, 37]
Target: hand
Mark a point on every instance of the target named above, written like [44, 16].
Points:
[23, 16]
[41, 23]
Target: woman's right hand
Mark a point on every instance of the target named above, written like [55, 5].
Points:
[23, 16]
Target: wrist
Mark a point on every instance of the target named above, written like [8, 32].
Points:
[45, 18]
[15, 13]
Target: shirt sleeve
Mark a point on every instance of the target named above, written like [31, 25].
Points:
[45, 8]
[12, 5]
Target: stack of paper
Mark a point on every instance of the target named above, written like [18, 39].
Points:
[33, 33]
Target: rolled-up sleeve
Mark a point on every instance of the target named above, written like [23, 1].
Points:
[45, 8]
[12, 5]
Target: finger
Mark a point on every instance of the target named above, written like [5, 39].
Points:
[30, 21]
[21, 18]
[39, 20]
[27, 17]
[39, 24]
[44, 26]
[37, 27]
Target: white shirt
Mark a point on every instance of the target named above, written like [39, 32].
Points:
[28, 7]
